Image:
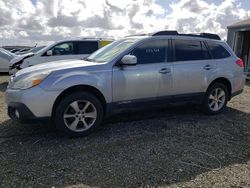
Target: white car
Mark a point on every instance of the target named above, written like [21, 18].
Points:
[32, 50]
[5, 58]
[62, 50]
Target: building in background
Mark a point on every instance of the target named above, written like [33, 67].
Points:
[239, 39]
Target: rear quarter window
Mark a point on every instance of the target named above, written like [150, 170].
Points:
[218, 51]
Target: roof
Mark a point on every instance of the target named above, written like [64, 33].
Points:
[175, 33]
[81, 39]
[244, 23]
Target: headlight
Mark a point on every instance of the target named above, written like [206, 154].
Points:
[30, 81]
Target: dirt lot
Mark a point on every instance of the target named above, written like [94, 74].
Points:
[176, 147]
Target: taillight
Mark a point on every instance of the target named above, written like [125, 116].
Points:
[240, 63]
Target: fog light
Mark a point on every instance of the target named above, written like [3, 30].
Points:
[17, 114]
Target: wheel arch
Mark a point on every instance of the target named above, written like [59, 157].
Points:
[226, 82]
[76, 88]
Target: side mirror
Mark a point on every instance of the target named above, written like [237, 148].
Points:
[129, 60]
[49, 53]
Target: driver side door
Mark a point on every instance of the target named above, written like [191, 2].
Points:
[140, 82]
[61, 51]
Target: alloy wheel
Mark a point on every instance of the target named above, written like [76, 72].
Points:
[80, 115]
[217, 99]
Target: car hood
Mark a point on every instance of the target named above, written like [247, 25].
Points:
[20, 57]
[54, 66]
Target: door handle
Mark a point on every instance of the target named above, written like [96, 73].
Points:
[164, 71]
[208, 67]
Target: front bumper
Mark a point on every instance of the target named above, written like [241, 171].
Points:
[20, 112]
[30, 103]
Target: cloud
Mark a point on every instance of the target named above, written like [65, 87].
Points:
[198, 16]
[22, 22]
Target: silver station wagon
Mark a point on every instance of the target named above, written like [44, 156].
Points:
[132, 72]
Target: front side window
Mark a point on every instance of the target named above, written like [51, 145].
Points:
[110, 51]
[63, 49]
[188, 50]
[218, 51]
[151, 51]
[85, 47]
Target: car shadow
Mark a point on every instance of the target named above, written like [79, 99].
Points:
[155, 147]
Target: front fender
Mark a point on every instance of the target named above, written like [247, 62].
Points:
[96, 79]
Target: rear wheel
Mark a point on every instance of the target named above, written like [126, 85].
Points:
[78, 114]
[216, 98]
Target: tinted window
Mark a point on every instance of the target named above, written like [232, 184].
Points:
[187, 50]
[205, 51]
[153, 51]
[218, 51]
[86, 47]
[63, 49]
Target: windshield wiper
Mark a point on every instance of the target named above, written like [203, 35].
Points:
[87, 59]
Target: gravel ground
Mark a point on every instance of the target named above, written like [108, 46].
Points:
[172, 146]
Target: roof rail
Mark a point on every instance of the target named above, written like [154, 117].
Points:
[202, 35]
[210, 36]
[165, 33]
[136, 35]
[95, 38]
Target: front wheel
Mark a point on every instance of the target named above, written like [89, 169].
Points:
[78, 114]
[216, 98]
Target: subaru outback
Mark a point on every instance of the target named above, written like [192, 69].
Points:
[135, 71]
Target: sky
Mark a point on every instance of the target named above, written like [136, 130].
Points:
[30, 22]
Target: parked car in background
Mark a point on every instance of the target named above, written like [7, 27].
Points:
[32, 50]
[62, 50]
[5, 58]
[135, 71]
[22, 50]
[14, 50]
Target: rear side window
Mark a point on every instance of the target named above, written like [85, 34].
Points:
[152, 51]
[188, 50]
[85, 47]
[218, 51]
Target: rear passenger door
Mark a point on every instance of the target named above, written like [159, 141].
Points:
[83, 49]
[192, 66]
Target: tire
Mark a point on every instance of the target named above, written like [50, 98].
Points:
[209, 105]
[78, 114]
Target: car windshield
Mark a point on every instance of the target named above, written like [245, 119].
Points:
[108, 52]
[46, 47]
[36, 49]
